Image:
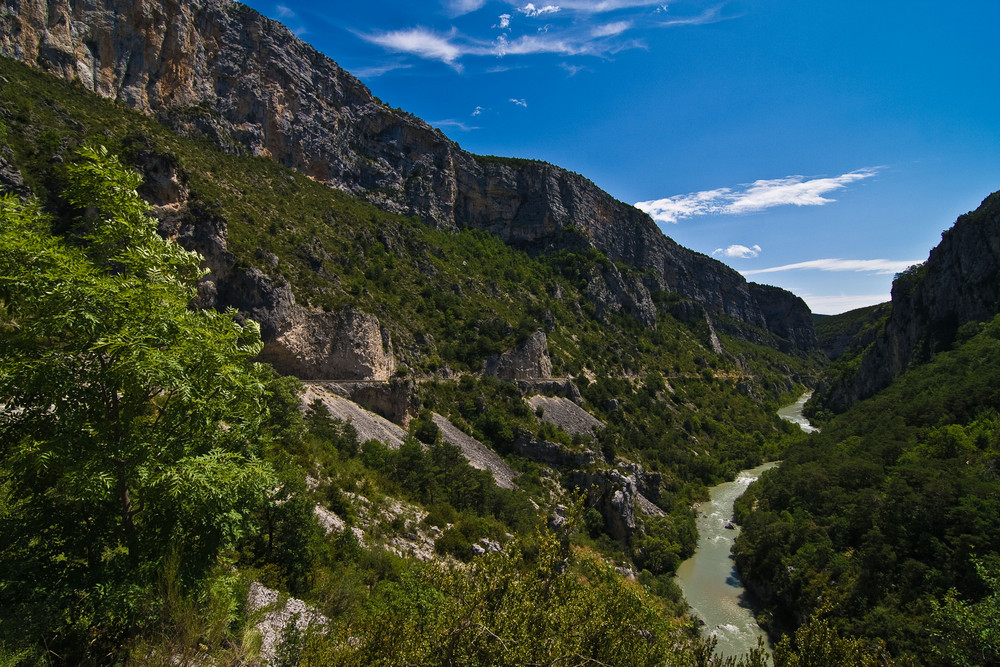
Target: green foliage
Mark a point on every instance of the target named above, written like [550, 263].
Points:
[852, 331]
[818, 644]
[880, 517]
[666, 541]
[968, 633]
[450, 300]
[562, 607]
[132, 424]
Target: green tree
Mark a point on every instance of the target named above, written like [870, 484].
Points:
[818, 644]
[130, 430]
[968, 633]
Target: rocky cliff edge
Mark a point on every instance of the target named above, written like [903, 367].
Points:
[217, 68]
[959, 283]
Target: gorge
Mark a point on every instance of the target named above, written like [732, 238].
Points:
[456, 408]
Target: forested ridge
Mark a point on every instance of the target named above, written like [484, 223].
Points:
[885, 524]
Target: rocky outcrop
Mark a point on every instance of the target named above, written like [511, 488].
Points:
[218, 69]
[611, 292]
[396, 400]
[648, 483]
[278, 612]
[553, 453]
[528, 361]
[347, 345]
[10, 177]
[565, 388]
[959, 283]
[616, 493]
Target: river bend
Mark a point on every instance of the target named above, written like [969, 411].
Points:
[709, 580]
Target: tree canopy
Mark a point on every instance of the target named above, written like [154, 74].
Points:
[130, 426]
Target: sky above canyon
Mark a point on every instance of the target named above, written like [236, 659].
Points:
[814, 145]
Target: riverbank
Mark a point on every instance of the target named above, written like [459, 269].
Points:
[709, 580]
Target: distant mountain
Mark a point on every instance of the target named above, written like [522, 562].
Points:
[933, 304]
[851, 332]
[218, 69]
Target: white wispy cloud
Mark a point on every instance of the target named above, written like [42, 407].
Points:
[574, 35]
[460, 7]
[500, 46]
[546, 43]
[611, 29]
[712, 15]
[451, 122]
[378, 70]
[602, 6]
[572, 69]
[421, 42]
[519, 102]
[878, 266]
[532, 11]
[287, 15]
[754, 197]
[834, 304]
[737, 251]
[477, 112]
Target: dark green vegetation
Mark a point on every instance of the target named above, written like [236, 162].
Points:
[149, 471]
[886, 522]
[849, 333]
[131, 430]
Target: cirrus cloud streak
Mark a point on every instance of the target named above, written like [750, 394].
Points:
[757, 196]
[420, 42]
[879, 266]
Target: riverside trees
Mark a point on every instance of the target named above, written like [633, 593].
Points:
[130, 430]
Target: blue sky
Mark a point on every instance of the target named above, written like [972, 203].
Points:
[815, 145]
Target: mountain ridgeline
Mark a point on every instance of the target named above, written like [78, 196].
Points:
[958, 286]
[217, 69]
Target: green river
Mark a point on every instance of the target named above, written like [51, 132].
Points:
[709, 579]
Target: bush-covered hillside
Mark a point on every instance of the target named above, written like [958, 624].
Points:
[77, 516]
[886, 522]
[449, 299]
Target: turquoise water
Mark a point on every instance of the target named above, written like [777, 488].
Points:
[709, 579]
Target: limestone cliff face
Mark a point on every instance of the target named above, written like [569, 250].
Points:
[349, 345]
[785, 315]
[959, 283]
[219, 69]
[528, 361]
